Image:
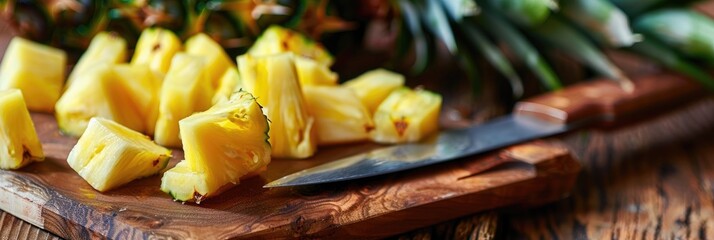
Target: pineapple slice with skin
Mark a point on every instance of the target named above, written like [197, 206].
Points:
[156, 47]
[312, 73]
[19, 144]
[340, 117]
[374, 86]
[37, 70]
[273, 81]
[184, 92]
[122, 93]
[407, 116]
[222, 145]
[109, 155]
[217, 61]
[277, 39]
[104, 48]
[230, 83]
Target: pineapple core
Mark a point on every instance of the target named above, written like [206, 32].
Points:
[37, 70]
[19, 144]
[227, 142]
[109, 155]
[374, 86]
[407, 116]
[340, 117]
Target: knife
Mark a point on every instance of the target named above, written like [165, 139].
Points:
[585, 104]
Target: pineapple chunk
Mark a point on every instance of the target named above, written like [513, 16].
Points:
[311, 72]
[222, 145]
[37, 70]
[19, 144]
[217, 61]
[109, 155]
[230, 82]
[374, 86]
[278, 39]
[340, 117]
[156, 47]
[122, 93]
[105, 48]
[407, 116]
[273, 81]
[184, 92]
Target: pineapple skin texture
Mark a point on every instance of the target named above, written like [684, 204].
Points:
[277, 39]
[217, 60]
[104, 48]
[35, 69]
[222, 145]
[340, 116]
[185, 91]
[156, 47]
[19, 144]
[273, 81]
[374, 86]
[407, 116]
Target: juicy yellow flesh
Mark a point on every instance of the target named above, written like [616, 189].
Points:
[407, 116]
[37, 70]
[221, 145]
[374, 86]
[156, 47]
[311, 72]
[230, 82]
[105, 48]
[277, 39]
[184, 91]
[122, 93]
[273, 81]
[217, 61]
[109, 155]
[19, 144]
[339, 115]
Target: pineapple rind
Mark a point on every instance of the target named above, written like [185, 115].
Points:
[109, 155]
[374, 86]
[340, 117]
[19, 144]
[407, 116]
[156, 47]
[37, 70]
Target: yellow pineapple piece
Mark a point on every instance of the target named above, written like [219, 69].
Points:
[19, 144]
[122, 93]
[156, 47]
[109, 155]
[407, 116]
[311, 72]
[230, 83]
[184, 92]
[278, 39]
[222, 145]
[105, 48]
[273, 81]
[340, 117]
[217, 61]
[37, 70]
[374, 86]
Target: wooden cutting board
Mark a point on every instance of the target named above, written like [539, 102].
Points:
[52, 196]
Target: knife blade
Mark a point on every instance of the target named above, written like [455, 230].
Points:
[597, 101]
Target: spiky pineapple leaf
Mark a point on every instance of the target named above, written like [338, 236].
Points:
[602, 19]
[664, 55]
[458, 9]
[421, 46]
[433, 16]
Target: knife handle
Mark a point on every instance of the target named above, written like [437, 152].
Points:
[604, 101]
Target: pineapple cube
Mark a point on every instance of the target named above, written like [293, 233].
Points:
[37, 70]
[230, 83]
[156, 47]
[105, 48]
[122, 93]
[109, 155]
[273, 81]
[19, 144]
[222, 145]
[340, 117]
[217, 61]
[311, 72]
[407, 116]
[278, 39]
[184, 92]
[374, 86]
